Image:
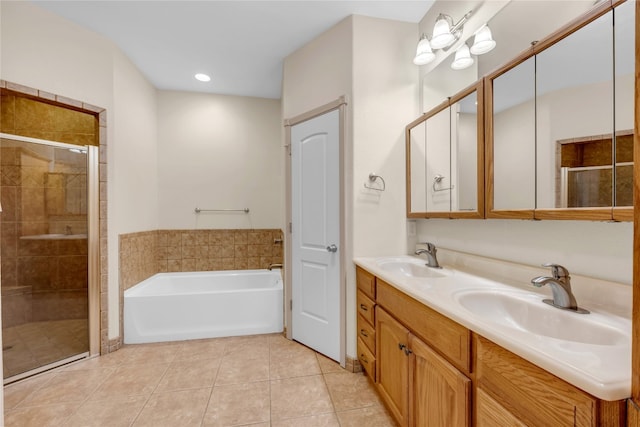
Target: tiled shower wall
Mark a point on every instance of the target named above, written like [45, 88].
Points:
[146, 253]
[35, 113]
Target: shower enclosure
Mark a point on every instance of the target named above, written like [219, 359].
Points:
[47, 219]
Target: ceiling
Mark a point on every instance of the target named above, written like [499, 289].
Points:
[240, 44]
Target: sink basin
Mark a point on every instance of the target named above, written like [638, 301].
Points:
[408, 267]
[527, 312]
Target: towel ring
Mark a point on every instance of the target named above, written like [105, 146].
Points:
[373, 178]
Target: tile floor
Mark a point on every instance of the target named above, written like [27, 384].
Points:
[31, 345]
[261, 381]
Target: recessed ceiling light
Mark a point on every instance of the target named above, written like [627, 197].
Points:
[202, 77]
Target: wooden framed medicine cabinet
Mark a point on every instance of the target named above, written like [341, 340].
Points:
[445, 158]
[573, 87]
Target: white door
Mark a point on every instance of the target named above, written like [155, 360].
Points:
[315, 233]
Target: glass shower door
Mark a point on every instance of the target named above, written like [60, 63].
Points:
[44, 254]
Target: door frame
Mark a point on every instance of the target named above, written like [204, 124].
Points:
[339, 104]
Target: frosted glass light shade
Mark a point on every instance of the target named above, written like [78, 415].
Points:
[483, 41]
[424, 54]
[462, 59]
[442, 36]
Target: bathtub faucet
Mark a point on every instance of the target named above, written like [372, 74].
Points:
[274, 265]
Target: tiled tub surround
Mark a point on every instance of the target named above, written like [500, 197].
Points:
[208, 250]
[146, 253]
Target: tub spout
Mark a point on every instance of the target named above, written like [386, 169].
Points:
[274, 265]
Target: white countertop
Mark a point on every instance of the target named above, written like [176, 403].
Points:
[603, 371]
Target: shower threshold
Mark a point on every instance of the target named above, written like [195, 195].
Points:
[45, 368]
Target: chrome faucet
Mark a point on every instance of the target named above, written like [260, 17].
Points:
[430, 252]
[274, 265]
[560, 285]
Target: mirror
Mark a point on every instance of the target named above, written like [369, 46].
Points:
[513, 116]
[574, 103]
[445, 159]
[416, 168]
[624, 65]
[560, 134]
[464, 153]
[438, 162]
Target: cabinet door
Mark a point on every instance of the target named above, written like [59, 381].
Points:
[490, 413]
[439, 393]
[392, 340]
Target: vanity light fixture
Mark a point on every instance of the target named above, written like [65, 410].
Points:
[445, 34]
[202, 77]
[483, 41]
[462, 59]
[424, 54]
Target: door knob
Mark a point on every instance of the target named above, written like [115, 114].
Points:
[332, 248]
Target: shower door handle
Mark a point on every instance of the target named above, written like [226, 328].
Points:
[332, 248]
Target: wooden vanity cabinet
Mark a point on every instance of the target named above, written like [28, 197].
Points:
[432, 371]
[515, 392]
[419, 386]
[365, 300]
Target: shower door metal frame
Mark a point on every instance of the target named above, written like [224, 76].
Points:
[93, 247]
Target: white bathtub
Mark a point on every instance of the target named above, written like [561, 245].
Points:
[183, 306]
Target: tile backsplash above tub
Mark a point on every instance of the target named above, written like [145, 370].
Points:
[145, 253]
[205, 250]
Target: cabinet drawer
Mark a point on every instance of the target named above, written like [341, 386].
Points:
[536, 396]
[367, 360]
[366, 308]
[366, 282]
[447, 337]
[367, 333]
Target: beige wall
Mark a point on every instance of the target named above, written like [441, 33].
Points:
[41, 50]
[219, 152]
[319, 72]
[385, 99]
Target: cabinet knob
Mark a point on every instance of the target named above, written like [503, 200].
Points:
[364, 307]
[407, 351]
[363, 333]
[401, 346]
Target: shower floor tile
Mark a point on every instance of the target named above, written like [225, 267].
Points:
[198, 383]
[35, 344]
